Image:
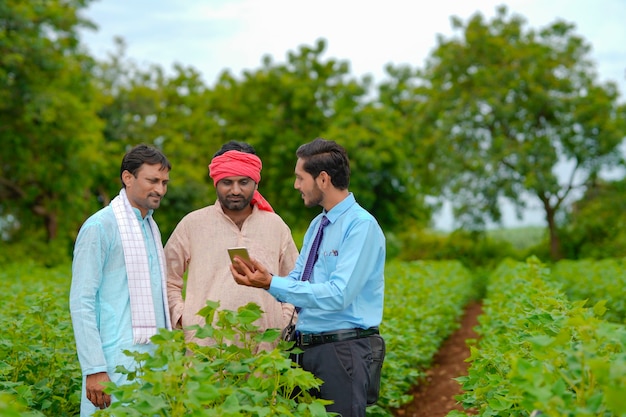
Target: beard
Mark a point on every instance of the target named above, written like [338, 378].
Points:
[235, 203]
[314, 198]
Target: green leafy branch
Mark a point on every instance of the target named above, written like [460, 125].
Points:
[225, 378]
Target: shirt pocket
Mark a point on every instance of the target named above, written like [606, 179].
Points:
[328, 259]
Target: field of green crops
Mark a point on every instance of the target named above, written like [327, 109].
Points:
[540, 350]
[541, 347]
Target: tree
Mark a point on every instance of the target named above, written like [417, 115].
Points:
[596, 223]
[281, 106]
[49, 129]
[385, 179]
[517, 114]
[169, 111]
[275, 108]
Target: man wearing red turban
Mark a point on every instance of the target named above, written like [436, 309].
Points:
[236, 163]
[199, 245]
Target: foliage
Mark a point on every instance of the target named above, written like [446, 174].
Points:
[39, 368]
[223, 379]
[494, 113]
[507, 106]
[10, 407]
[38, 364]
[280, 106]
[472, 248]
[385, 176]
[170, 112]
[218, 376]
[596, 225]
[34, 248]
[423, 303]
[283, 105]
[520, 238]
[537, 350]
[48, 126]
[596, 281]
[182, 116]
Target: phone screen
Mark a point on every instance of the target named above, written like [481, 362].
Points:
[242, 253]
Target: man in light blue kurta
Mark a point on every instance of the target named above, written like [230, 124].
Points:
[100, 301]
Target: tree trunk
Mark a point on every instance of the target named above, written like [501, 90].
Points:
[50, 221]
[555, 242]
[52, 226]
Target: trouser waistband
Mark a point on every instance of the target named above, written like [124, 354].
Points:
[310, 339]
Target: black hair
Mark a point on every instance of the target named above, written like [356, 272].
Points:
[326, 155]
[142, 154]
[234, 145]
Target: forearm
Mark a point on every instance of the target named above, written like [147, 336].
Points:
[175, 300]
[177, 262]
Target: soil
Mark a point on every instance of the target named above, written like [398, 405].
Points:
[434, 397]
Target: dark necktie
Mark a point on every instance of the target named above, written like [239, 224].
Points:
[308, 268]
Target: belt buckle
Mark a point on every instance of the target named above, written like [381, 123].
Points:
[309, 339]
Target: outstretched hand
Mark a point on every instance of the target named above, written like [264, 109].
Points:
[254, 275]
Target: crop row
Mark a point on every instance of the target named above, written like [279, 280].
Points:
[595, 281]
[424, 301]
[540, 351]
[38, 362]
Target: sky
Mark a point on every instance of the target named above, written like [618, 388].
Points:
[216, 35]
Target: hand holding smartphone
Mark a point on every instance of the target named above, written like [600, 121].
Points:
[242, 253]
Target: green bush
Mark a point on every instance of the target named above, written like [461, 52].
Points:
[473, 249]
[12, 407]
[596, 225]
[595, 281]
[424, 301]
[37, 251]
[38, 363]
[538, 350]
[223, 379]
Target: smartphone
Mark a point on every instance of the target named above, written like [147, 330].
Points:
[242, 253]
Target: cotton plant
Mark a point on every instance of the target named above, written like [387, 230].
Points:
[222, 379]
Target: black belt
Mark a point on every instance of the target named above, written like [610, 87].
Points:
[310, 339]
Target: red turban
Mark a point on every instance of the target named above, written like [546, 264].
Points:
[236, 164]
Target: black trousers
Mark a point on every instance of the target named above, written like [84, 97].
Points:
[344, 368]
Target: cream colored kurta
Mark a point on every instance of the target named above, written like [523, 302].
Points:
[199, 246]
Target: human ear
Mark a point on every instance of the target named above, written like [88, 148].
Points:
[126, 177]
[324, 178]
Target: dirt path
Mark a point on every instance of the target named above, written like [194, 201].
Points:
[435, 397]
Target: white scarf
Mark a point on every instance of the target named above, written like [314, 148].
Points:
[138, 270]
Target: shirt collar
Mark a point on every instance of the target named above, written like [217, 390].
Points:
[138, 214]
[340, 208]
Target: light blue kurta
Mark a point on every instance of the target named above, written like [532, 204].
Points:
[100, 300]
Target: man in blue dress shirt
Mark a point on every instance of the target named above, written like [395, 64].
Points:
[341, 303]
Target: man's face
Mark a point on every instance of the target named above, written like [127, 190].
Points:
[235, 193]
[306, 184]
[146, 190]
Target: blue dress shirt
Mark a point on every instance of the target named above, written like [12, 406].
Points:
[346, 289]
